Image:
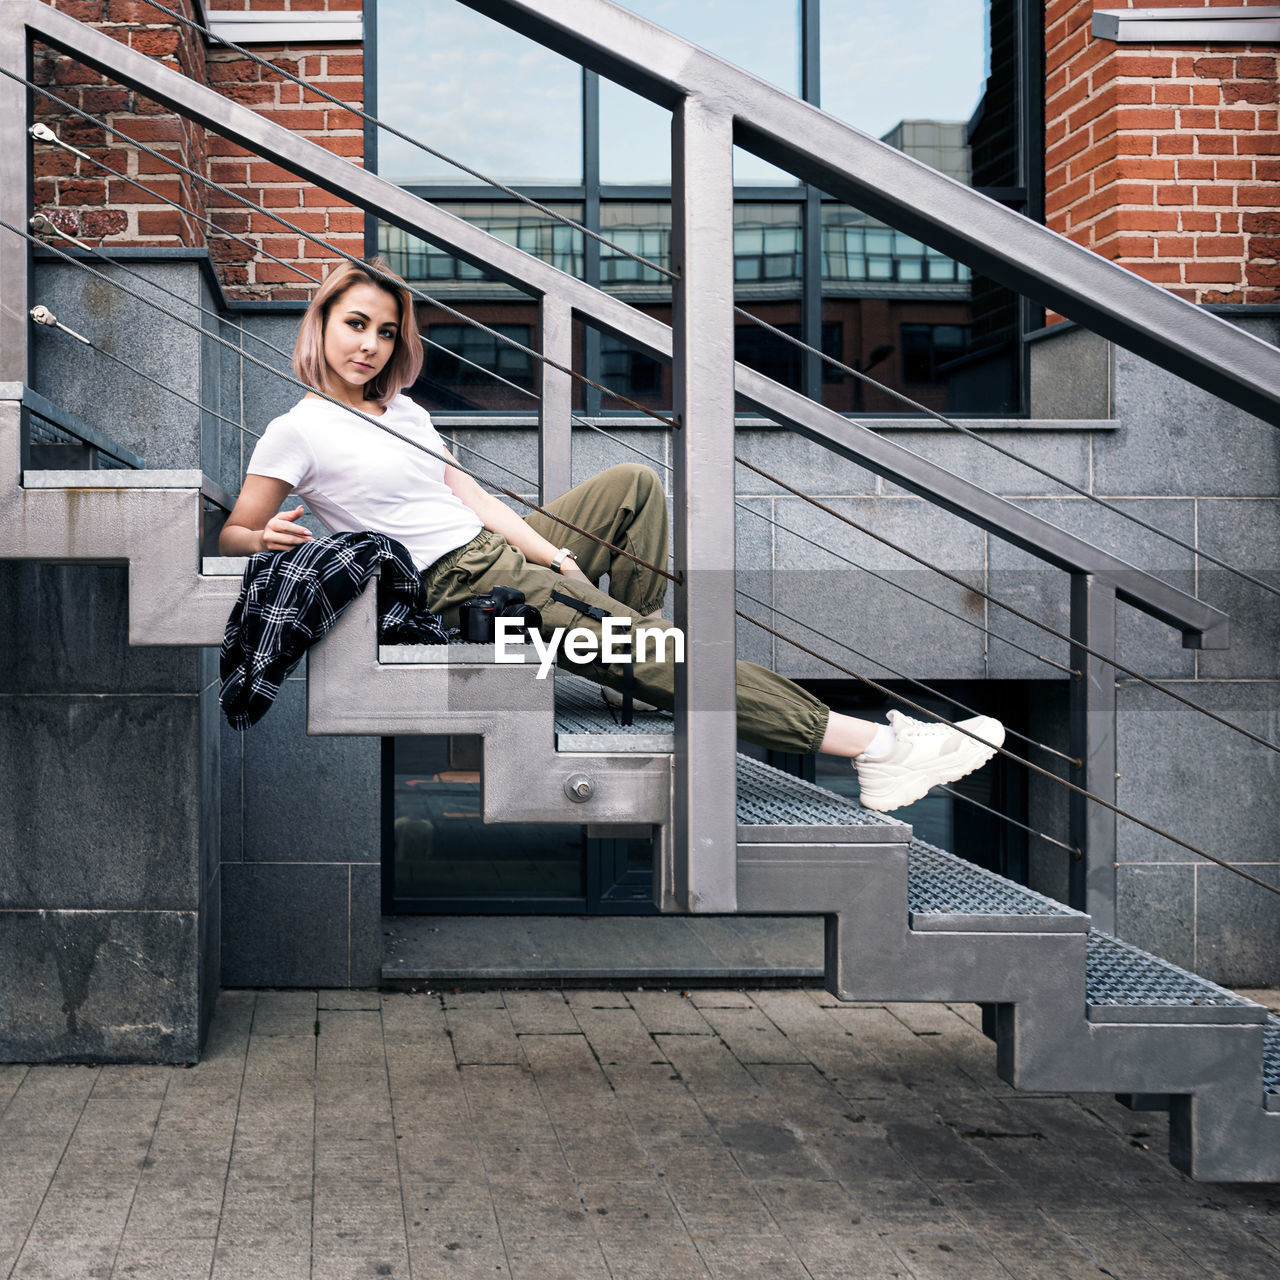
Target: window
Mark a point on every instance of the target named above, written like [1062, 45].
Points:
[471, 356]
[926, 347]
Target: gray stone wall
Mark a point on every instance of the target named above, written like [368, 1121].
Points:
[301, 853]
[109, 875]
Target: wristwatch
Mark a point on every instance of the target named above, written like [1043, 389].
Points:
[561, 556]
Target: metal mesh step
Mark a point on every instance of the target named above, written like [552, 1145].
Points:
[581, 713]
[1271, 1062]
[947, 893]
[1126, 984]
[769, 797]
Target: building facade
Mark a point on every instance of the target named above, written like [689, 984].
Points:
[151, 848]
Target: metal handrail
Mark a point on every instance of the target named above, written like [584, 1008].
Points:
[559, 216]
[1201, 625]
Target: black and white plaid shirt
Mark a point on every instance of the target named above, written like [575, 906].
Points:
[289, 599]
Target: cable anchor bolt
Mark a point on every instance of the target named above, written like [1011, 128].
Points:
[42, 315]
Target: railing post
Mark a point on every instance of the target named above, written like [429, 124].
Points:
[555, 424]
[1092, 713]
[15, 195]
[704, 808]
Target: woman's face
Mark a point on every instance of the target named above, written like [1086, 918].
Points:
[359, 338]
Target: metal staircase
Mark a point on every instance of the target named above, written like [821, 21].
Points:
[1069, 1007]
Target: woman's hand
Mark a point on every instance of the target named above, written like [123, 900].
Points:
[282, 534]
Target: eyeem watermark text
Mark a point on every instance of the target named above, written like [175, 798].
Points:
[617, 642]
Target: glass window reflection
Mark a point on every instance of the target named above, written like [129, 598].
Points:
[525, 227]
[887, 63]
[473, 90]
[761, 36]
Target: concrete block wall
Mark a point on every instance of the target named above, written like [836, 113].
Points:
[301, 853]
[109, 866]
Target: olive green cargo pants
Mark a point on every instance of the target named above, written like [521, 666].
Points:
[627, 507]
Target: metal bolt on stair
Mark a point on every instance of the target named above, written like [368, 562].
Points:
[579, 788]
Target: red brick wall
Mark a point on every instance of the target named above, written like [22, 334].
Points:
[1165, 158]
[81, 199]
[337, 69]
[80, 196]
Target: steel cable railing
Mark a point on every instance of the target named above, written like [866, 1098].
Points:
[518, 498]
[538, 356]
[577, 376]
[316, 239]
[1026, 764]
[42, 223]
[898, 697]
[275, 214]
[452, 462]
[527, 480]
[969, 432]
[47, 135]
[566, 220]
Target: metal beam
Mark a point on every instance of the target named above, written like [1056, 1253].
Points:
[555, 407]
[15, 195]
[704, 805]
[1092, 717]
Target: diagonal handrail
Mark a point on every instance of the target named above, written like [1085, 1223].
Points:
[910, 195]
[1202, 625]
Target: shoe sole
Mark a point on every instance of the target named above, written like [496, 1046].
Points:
[912, 787]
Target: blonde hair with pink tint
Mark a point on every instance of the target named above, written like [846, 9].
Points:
[406, 360]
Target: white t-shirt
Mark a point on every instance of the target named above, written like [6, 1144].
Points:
[355, 476]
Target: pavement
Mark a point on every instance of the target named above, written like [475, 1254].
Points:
[633, 1135]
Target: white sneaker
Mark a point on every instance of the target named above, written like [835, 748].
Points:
[924, 754]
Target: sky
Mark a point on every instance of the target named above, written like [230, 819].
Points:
[506, 106]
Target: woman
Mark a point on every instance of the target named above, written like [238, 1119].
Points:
[359, 344]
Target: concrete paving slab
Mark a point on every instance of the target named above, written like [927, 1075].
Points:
[662, 1015]
[539, 1012]
[881, 1144]
[557, 1258]
[617, 1035]
[739, 1257]
[164, 1258]
[664, 1259]
[82, 1257]
[864, 1255]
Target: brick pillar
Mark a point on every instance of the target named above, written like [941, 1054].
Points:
[339, 70]
[1165, 158]
[84, 200]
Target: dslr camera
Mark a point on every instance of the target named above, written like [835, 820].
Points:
[479, 614]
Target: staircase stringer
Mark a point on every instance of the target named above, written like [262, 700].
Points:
[146, 519]
[349, 691]
[1045, 1040]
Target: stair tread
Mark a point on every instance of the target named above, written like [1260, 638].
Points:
[940, 883]
[1122, 982]
[1271, 1055]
